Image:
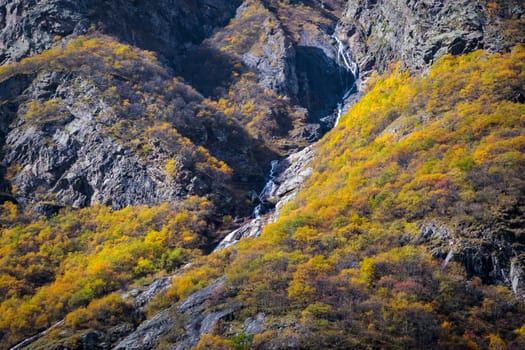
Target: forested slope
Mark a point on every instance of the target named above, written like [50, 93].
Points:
[384, 246]
[121, 169]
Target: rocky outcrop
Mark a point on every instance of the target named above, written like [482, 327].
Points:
[273, 58]
[166, 27]
[291, 77]
[254, 325]
[75, 138]
[73, 161]
[287, 77]
[286, 178]
[495, 253]
[294, 171]
[192, 317]
[417, 32]
[142, 298]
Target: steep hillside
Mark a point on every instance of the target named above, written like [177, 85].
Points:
[51, 267]
[405, 236]
[134, 135]
[167, 27]
[101, 122]
[89, 119]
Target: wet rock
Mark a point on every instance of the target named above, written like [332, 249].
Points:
[295, 171]
[252, 228]
[287, 178]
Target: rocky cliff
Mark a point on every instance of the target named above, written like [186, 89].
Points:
[258, 73]
[167, 27]
[417, 32]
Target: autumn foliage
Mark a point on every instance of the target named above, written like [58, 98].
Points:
[50, 267]
[346, 267]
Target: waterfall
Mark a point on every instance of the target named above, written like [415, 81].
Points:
[339, 113]
[344, 58]
[267, 190]
[254, 226]
[271, 190]
[449, 257]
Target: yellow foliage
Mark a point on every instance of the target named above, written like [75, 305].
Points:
[82, 255]
[346, 250]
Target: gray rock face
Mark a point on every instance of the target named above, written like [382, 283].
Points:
[74, 163]
[296, 171]
[517, 275]
[196, 321]
[418, 32]
[147, 334]
[254, 325]
[495, 254]
[272, 58]
[158, 286]
[167, 26]
[285, 181]
[291, 73]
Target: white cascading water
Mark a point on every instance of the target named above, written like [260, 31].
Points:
[343, 56]
[267, 190]
[449, 257]
[254, 226]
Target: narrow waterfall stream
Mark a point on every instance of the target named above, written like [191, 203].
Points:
[287, 175]
[343, 56]
[267, 191]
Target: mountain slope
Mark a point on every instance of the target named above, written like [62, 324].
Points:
[164, 26]
[416, 204]
[104, 123]
[115, 146]
[122, 165]
[387, 243]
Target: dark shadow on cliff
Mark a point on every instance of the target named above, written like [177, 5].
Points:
[166, 27]
[208, 70]
[9, 92]
[322, 82]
